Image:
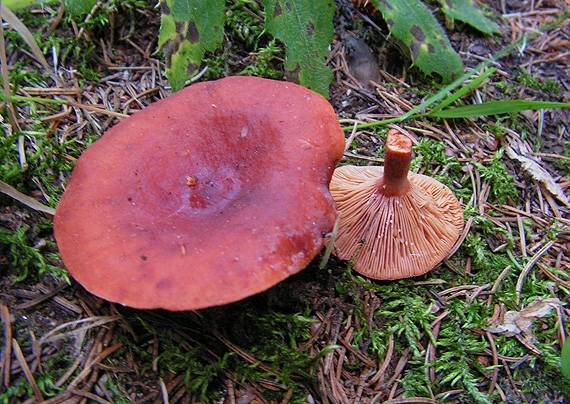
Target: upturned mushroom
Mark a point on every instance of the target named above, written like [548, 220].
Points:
[212, 195]
[393, 223]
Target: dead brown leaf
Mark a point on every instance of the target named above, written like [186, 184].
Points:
[513, 323]
[517, 151]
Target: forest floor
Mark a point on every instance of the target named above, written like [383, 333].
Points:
[324, 335]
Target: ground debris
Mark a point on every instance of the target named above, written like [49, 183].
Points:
[520, 322]
[516, 150]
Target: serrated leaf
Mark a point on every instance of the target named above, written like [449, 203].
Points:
[306, 29]
[469, 13]
[189, 28]
[167, 31]
[496, 108]
[411, 22]
[79, 7]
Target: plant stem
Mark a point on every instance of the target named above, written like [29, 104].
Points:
[397, 158]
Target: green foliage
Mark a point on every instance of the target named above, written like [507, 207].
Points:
[458, 359]
[278, 345]
[306, 29]
[440, 101]
[188, 29]
[428, 152]
[465, 89]
[47, 159]
[411, 315]
[411, 22]
[263, 64]
[199, 375]
[496, 108]
[24, 257]
[245, 19]
[216, 67]
[46, 384]
[20, 4]
[487, 263]
[501, 182]
[79, 7]
[414, 382]
[430, 155]
[167, 31]
[17, 390]
[526, 79]
[467, 12]
[403, 314]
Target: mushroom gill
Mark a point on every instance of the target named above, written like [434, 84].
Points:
[394, 224]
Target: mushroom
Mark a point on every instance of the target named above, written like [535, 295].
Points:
[393, 223]
[209, 196]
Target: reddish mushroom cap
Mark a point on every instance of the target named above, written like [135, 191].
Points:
[212, 195]
[394, 224]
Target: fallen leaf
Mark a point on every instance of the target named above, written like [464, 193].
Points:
[535, 170]
[514, 323]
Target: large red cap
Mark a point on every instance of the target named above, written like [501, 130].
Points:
[212, 195]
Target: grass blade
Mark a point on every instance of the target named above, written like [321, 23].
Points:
[26, 35]
[441, 94]
[495, 108]
[25, 199]
[465, 89]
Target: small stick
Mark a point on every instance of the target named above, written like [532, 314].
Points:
[163, 391]
[495, 363]
[522, 236]
[5, 316]
[529, 266]
[497, 283]
[26, 369]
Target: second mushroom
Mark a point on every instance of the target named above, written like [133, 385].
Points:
[394, 224]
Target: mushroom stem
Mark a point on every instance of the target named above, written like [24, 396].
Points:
[397, 158]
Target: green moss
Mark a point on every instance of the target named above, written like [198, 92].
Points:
[245, 19]
[430, 156]
[501, 182]
[26, 259]
[526, 79]
[457, 362]
[265, 59]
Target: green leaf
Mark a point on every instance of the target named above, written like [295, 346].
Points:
[565, 359]
[495, 108]
[79, 7]
[469, 13]
[189, 28]
[306, 29]
[411, 22]
[19, 4]
[167, 30]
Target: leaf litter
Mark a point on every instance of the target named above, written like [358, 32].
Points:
[521, 322]
[393, 342]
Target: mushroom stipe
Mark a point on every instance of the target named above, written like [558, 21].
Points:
[202, 199]
[394, 224]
